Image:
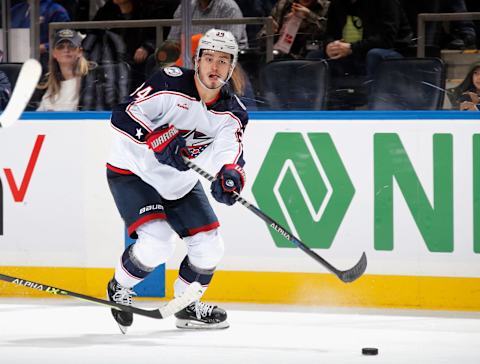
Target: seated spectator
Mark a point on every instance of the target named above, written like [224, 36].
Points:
[67, 68]
[133, 45]
[50, 12]
[466, 95]
[166, 55]
[161, 9]
[5, 90]
[474, 6]
[93, 6]
[194, 45]
[461, 34]
[212, 9]
[71, 6]
[412, 9]
[309, 26]
[73, 83]
[255, 9]
[362, 33]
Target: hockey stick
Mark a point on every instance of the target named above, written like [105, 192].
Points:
[191, 294]
[346, 276]
[24, 88]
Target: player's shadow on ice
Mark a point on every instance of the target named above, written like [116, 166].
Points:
[151, 339]
[88, 340]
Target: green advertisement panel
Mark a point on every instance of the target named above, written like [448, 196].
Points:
[303, 184]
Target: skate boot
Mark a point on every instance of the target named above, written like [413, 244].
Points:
[200, 315]
[123, 295]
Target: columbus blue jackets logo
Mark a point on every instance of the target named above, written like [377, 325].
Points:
[173, 71]
[196, 141]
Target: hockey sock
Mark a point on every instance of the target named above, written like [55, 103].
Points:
[130, 271]
[189, 273]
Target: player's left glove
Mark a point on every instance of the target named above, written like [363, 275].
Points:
[168, 146]
[230, 178]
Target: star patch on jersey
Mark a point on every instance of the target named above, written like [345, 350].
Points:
[173, 71]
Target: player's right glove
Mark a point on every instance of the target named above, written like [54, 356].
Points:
[230, 178]
[168, 146]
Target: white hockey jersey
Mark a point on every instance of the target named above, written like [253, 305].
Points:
[213, 132]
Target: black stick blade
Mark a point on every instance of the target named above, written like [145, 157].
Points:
[352, 274]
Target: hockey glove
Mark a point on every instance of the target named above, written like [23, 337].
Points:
[168, 146]
[230, 178]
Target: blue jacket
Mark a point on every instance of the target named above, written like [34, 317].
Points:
[49, 12]
[5, 90]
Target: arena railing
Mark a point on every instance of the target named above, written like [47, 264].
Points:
[159, 24]
[442, 17]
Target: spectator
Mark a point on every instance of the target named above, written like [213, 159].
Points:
[67, 69]
[462, 32]
[194, 45]
[73, 83]
[466, 95]
[50, 12]
[310, 31]
[412, 9]
[5, 90]
[71, 6]
[461, 35]
[212, 9]
[255, 8]
[138, 43]
[382, 32]
[166, 55]
[93, 7]
[474, 6]
[161, 9]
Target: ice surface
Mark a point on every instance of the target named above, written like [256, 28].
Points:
[63, 331]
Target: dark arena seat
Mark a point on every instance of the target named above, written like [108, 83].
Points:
[408, 84]
[295, 84]
[11, 70]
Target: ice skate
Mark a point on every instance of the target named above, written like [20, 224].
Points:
[200, 315]
[123, 295]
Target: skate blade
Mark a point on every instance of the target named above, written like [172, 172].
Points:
[196, 325]
[123, 329]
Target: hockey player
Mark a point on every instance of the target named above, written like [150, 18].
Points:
[177, 112]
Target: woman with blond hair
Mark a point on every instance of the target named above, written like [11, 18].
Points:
[67, 69]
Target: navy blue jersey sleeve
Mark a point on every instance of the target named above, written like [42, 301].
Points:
[150, 97]
[175, 79]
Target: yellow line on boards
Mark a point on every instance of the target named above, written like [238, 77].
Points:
[380, 291]
[89, 281]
